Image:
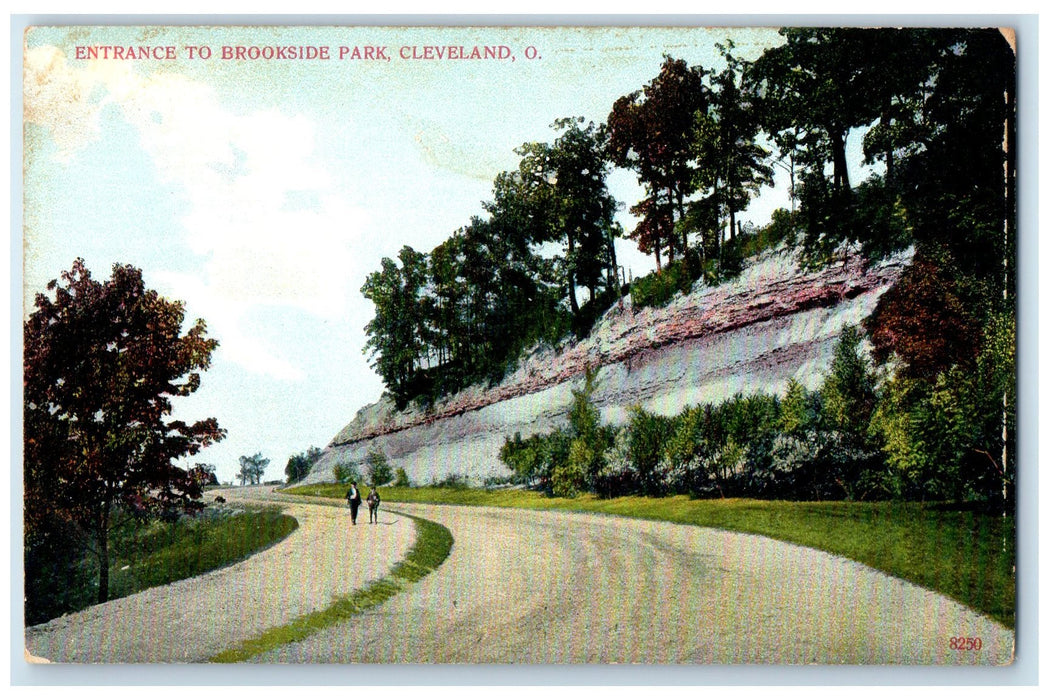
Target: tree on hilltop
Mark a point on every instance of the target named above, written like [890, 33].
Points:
[653, 132]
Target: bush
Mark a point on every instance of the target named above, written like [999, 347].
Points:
[568, 477]
[346, 473]
[649, 435]
[455, 481]
[497, 482]
[401, 478]
[524, 457]
[658, 288]
[687, 454]
[617, 476]
[556, 450]
[379, 471]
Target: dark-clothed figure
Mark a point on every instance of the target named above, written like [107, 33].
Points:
[353, 497]
[373, 506]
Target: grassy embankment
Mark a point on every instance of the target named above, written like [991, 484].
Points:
[159, 553]
[433, 543]
[953, 550]
[144, 555]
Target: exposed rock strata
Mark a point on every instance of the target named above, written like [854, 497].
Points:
[773, 323]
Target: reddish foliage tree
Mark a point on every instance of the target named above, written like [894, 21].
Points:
[102, 362]
[653, 132]
[655, 228]
[924, 323]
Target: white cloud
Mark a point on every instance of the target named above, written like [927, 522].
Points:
[262, 209]
[225, 319]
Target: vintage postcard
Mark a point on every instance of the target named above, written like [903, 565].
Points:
[520, 345]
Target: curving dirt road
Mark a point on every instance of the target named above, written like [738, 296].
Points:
[535, 587]
[542, 587]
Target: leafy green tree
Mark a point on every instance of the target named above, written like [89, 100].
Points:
[559, 194]
[817, 83]
[814, 90]
[379, 470]
[585, 207]
[848, 392]
[798, 412]
[252, 469]
[590, 439]
[732, 164]
[298, 466]
[448, 316]
[102, 363]
[512, 298]
[396, 332]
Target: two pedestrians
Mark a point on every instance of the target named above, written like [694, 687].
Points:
[353, 497]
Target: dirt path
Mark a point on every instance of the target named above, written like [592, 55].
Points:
[541, 587]
[191, 620]
[534, 587]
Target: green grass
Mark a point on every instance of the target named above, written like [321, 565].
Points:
[159, 553]
[433, 544]
[62, 577]
[966, 555]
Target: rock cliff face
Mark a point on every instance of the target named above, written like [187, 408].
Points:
[776, 321]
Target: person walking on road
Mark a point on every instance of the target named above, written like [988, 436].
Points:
[353, 497]
[373, 506]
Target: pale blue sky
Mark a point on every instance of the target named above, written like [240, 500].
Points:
[263, 192]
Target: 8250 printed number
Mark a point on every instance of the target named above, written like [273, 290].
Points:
[966, 643]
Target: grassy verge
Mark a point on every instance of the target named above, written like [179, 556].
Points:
[966, 555]
[433, 544]
[61, 574]
[159, 553]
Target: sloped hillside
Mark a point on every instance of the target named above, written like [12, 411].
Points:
[776, 321]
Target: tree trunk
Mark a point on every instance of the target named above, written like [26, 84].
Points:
[571, 278]
[680, 217]
[890, 161]
[793, 189]
[102, 538]
[841, 166]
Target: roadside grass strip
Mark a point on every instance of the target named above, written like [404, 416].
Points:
[952, 549]
[161, 553]
[154, 553]
[432, 546]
